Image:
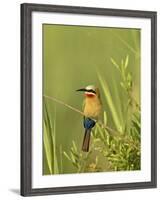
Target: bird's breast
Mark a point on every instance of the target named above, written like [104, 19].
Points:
[92, 107]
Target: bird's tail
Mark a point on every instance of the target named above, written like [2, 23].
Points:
[86, 140]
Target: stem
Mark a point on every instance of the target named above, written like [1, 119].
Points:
[117, 133]
[65, 104]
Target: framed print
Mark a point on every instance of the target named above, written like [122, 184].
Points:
[88, 99]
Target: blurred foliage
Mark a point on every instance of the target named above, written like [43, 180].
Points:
[49, 144]
[109, 58]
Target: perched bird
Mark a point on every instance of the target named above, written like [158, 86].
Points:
[92, 110]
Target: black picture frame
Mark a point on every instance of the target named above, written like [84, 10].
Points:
[26, 98]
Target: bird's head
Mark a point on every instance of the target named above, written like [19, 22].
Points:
[90, 91]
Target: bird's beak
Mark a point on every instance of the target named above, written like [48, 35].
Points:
[81, 90]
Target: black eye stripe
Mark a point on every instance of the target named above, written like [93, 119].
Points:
[91, 91]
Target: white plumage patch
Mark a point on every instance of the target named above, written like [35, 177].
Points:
[91, 87]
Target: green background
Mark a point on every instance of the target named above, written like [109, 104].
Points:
[72, 58]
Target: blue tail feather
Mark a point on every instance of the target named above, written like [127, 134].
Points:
[88, 125]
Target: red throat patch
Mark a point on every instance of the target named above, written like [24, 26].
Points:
[90, 95]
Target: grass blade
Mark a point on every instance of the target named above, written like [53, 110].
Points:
[56, 168]
[47, 149]
[109, 101]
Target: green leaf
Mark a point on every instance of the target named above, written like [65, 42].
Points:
[129, 77]
[109, 101]
[51, 138]
[67, 156]
[105, 117]
[122, 85]
[114, 63]
[47, 148]
[126, 61]
[101, 132]
[74, 146]
[56, 168]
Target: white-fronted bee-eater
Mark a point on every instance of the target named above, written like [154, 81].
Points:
[92, 109]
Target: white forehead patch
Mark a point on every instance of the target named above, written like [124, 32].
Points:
[90, 87]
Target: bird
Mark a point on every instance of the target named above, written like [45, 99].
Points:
[92, 110]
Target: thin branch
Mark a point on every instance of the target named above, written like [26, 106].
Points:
[78, 111]
[65, 104]
[116, 133]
